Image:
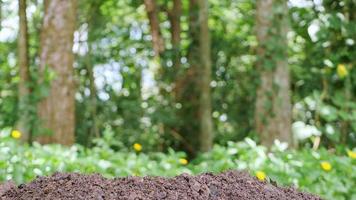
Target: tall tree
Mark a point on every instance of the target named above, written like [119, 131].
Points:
[200, 73]
[193, 88]
[152, 13]
[206, 124]
[192, 85]
[273, 104]
[57, 109]
[174, 16]
[24, 90]
[92, 21]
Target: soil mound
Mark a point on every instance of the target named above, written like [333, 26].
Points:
[228, 185]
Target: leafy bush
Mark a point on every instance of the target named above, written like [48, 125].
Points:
[329, 174]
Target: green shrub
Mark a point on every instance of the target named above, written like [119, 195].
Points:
[335, 179]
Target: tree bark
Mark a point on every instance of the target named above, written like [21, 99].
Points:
[94, 130]
[24, 72]
[152, 13]
[91, 17]
[192, 89]
[174, 16]
[206, 125]
[195, 95]
[273, 103]
[57, 109]
[187, 87]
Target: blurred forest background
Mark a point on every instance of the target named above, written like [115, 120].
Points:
[182, 74]
[179, 74]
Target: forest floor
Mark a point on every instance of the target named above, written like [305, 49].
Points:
[227, 185]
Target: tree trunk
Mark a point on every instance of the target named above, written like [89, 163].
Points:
[273, 103]
[187, 90]
[206, 125]
[174, 16]
[192, 89]
[152, 13]
[195, 95]
[91, 17]
[24, 90]
[57, 109]
[94, 130]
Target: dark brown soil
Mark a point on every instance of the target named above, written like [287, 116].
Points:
[227, 185]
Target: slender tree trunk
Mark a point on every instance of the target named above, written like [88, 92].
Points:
[92, 15]
[273, 104]
[187, 87]
[152, 13]
[174, 18]
[196, 98]
[94, 130]
[24, 90]
[93, 101]
[57, 109]
[192, 89]
[206, 125]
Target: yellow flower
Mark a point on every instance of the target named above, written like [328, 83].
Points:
[183, 161]
[137, 147]
[261, 175]
[16, 134]
[342, 71]
[326, 166]
[351, 154]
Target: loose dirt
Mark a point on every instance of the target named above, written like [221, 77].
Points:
[229, 185]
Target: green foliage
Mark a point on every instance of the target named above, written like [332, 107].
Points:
[119, 37]
[322, 66]
[323, 69]
[302, 169]
[8, 93]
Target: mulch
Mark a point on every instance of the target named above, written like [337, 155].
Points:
[227, 185]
